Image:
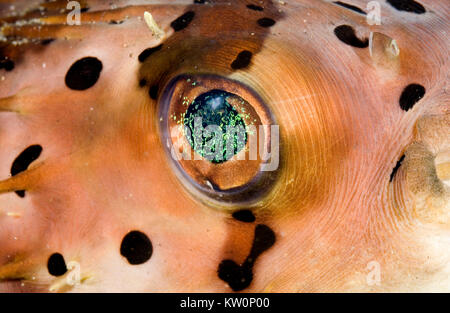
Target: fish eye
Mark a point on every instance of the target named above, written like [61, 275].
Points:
[214, 109]
[218, 134]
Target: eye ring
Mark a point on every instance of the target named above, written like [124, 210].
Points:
[234, 181]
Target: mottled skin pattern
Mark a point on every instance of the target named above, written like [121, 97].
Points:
[104, 170]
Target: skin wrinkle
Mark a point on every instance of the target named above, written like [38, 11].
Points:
[331, 207]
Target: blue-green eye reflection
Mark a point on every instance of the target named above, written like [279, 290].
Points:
[213, 127]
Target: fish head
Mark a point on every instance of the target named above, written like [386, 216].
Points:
[337, 179]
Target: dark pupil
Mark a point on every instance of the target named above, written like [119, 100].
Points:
[221, 133]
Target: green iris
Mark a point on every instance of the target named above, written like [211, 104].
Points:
[214, 128]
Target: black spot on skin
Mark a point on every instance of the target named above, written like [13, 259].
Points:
[84, 73]
[199, 1]
[266, 22]
[350, 7]
[397, 166]
[7, 64]
[136, 247]
[20, 193]
[408, 6]
[255, 7]
[183, 21]
[245, 216]
[47, 41]
[142, 82]
[21, 163]
[239, 277]
[410, 95]
[148, 52]
[346, 34]
[114, 22]
[56, 265]
[242, 60]
[153, 92]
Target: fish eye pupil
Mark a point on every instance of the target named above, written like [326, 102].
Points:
[213, 127]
